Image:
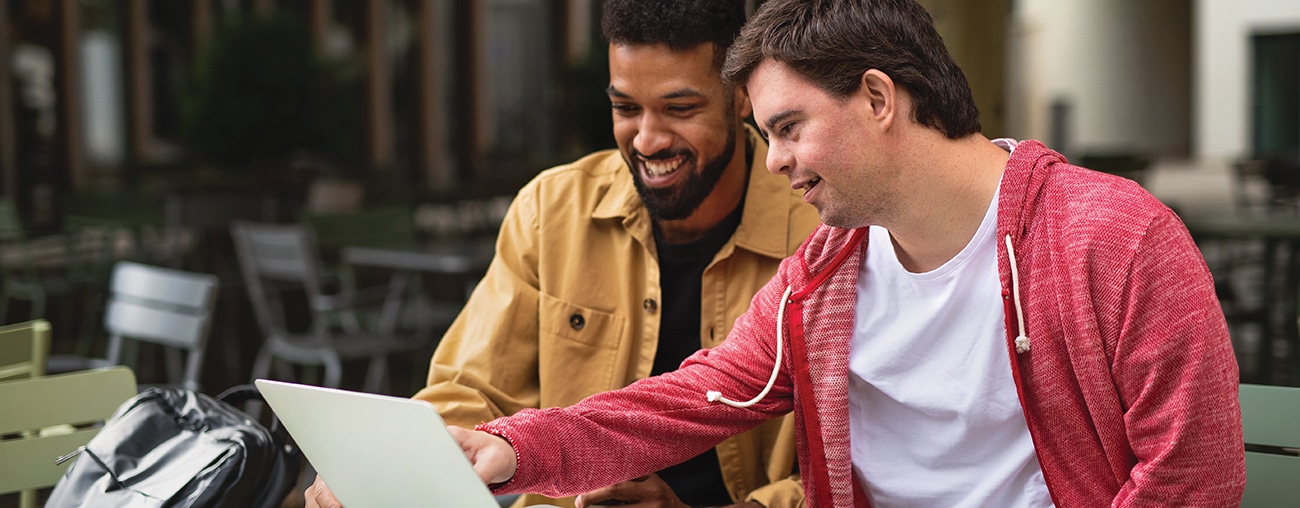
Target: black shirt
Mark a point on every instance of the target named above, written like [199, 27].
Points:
[698, 481]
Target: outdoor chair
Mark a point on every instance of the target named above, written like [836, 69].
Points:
[71, 265]
[57, 415]
[1269, 416]
[171, 308]
[23, 349]
[281, 260]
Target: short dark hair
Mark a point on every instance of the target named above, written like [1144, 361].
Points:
[833, 42]
[678, 24]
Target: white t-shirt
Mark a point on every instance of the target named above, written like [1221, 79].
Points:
[933, 411]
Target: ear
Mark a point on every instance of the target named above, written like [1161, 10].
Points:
[743, 107]
[880, 94]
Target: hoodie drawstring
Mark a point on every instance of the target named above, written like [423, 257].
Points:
[716, 396]
[1022, 340]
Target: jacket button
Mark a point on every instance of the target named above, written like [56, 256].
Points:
[577, 321]
[649, 305]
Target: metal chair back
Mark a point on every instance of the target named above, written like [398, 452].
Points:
[56, 415]
[23, 348]
[273, 257]
[277, 258]
[162, 306]
[1269, 416]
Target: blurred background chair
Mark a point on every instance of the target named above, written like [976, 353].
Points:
[58, 414]
[71, 265]
[23, 349]
[171, 308]
[1269, 416]
[1267, 186]
[19, 278]
[280, 260]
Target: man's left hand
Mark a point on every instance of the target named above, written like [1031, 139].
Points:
[644, 492]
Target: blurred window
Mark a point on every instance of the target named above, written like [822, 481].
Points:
[1277, 96]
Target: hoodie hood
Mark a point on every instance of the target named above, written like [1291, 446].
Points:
[1019, 195]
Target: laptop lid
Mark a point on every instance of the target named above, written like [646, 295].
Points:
[376, 450]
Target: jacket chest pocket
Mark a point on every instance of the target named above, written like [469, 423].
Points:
[580, 351]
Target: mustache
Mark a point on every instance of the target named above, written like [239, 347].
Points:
[664, 154]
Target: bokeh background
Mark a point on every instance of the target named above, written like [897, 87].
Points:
[140, 129]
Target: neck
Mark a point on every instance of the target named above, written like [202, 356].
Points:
[956, 182]
[725, 197]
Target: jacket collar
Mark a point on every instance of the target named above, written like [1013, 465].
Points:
[1027, 170]
[764, 222]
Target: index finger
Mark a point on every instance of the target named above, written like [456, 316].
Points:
[318, 495]
[491, 456]
[627, 492]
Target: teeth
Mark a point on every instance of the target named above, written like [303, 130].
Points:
[812, 182]
[662, 168]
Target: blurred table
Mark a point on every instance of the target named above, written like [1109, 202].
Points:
[1280, 287]
[462, 258]
[1275, 227]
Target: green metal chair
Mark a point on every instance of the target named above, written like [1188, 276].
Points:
[50, 416]
[1270, 418]
[23, 349]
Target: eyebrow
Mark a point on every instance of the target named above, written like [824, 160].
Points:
[675, 94]
[771, 122]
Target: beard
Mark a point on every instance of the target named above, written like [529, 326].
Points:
[681, 200]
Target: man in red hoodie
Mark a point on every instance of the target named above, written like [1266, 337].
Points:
[977, 322]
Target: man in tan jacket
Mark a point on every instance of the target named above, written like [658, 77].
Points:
[623, 263]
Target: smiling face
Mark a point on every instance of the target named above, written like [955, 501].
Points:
[832, 148]
[676, 125]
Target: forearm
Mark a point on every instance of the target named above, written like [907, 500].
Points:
[655, 422]
[615, 436]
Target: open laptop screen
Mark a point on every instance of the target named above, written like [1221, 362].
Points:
[376, 450]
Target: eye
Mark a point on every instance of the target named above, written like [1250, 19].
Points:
[785, 130]
[681, 108]
[623, 108]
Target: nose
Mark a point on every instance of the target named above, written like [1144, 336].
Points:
[779, 158]
[652, 135]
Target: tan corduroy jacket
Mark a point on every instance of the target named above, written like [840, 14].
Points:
[570, 307]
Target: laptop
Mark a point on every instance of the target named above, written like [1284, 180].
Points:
[375, 450]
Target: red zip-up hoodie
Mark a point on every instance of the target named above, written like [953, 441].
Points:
[1116, 342]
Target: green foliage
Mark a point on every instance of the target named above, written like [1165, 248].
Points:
[261, 96]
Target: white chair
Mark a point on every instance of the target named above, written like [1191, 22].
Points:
[158, 305]
[277, 259]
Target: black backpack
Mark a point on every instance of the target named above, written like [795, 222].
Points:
[174, 447]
